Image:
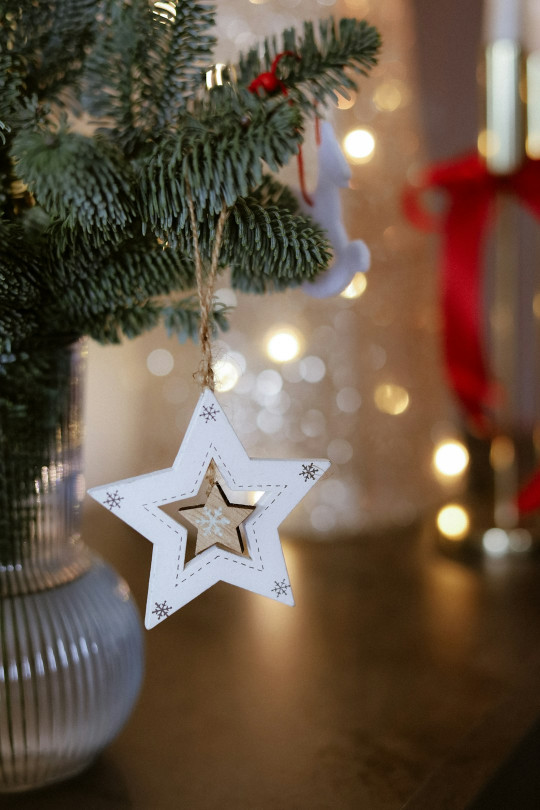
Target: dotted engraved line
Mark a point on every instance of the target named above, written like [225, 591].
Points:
[177, 497]
[268, 505]
[238, 560]
[216, 455]
[164, 522]
[222, 463]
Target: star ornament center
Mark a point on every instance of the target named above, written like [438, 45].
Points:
[220, 553]
[218, 521]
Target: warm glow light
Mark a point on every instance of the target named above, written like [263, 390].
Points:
[283, 345]
[502, 453]
[359, 145]
[226, 375]
[488, 143]
[391, 399]
[453, 522]
[450, 458]
[356, 287]
[345, 103]
[387, 96]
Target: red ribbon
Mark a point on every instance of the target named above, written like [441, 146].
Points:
[472, 193]
[272, 84]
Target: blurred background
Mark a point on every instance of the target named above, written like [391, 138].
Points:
[356, 378]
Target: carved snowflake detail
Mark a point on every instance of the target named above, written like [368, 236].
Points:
[162, 609]
[209, 413]
[113, 500]
[212, 521]
[309, 472]
[281, 587]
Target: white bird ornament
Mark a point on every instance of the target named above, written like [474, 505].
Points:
[350, 257]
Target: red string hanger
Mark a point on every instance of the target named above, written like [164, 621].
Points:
[270, 82]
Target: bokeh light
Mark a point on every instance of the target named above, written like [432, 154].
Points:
[359, 145]
[339, 451]
[488, 143]
[226, 373]
[391, 399]
[160, 362]
[344, 103]
[388, 96]
[283, 344]
[356, 287]
[520, 540]
[269, 383]
[453, 521]
[323, 518]
[450, 458]
[312, 369]
[348, 399]
[496, 542]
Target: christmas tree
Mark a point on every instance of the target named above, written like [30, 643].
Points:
[96, 236]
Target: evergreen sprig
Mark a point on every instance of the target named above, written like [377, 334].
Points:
[82, 181]
[317, 67]
[216, 158]
[95, 236]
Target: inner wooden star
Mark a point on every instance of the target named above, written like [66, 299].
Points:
[218, 521]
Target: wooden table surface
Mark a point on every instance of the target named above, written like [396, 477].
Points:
[402, 677]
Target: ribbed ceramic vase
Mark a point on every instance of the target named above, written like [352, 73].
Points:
[71, 651]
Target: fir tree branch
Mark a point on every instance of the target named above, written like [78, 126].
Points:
[19, 269]
[219, 157]
[272, 192]
[320, 66]
[83, 181]
[182, 318]
[119, 321]
[49, 39]
[147, 63]
[129, 276]
[102, 202]
[269, 248]
[118, 74]
[187, 54]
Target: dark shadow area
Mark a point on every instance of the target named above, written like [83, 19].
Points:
[101, 787]
[516, 784]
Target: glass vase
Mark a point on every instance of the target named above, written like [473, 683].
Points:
[71, 651]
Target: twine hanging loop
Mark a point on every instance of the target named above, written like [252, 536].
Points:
[205, 292]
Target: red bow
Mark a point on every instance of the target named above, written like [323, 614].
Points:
[472, 192]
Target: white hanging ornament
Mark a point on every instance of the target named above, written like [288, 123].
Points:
[350, 257]
[211, 447]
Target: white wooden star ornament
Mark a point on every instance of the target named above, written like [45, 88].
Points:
[222, 527]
